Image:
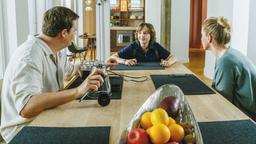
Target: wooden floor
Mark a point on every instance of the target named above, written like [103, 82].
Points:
[196, 64]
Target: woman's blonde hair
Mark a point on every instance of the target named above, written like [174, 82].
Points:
[218, 28]
[151, 31]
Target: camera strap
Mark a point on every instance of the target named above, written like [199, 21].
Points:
[130, 78]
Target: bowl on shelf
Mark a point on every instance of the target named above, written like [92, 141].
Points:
[132, 17]
[140, 17]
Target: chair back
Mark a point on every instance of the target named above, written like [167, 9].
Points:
[72, 48]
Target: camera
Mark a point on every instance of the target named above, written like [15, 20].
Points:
[104, 92]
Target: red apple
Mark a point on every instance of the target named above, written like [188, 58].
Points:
[171, 105]
[138, 136]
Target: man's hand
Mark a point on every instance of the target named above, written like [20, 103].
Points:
[130, 62]
[92, 83]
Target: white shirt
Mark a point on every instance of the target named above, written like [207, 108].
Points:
[30, 71]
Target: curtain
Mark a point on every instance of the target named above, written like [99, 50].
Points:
[197, 15]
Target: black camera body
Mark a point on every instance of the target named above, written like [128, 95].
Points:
[104, 92]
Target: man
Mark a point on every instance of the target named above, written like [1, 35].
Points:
[33, 81]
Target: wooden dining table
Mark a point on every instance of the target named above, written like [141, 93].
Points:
[206, 107]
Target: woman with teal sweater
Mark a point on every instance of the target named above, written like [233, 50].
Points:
[235, 74]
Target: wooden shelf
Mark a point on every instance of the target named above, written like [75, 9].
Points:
[126, 19]
[126, 15]
[136, 8]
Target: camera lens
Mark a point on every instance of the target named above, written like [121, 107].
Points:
[103, 99]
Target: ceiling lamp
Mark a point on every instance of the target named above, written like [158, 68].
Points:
[88, 2]
[88, 6]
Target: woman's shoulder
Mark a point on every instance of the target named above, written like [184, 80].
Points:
[232, 58]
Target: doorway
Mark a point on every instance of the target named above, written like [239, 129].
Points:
[89, 28]
[198, 13]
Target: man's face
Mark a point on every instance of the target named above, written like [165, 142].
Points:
[144, 36]
[71, 34]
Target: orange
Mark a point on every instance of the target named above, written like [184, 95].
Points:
[159, 115]
[159, 133]
[171, 121]
[145, 120]
[177, 132]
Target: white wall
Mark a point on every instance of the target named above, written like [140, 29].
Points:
[2, 58]
[153, 15]
[240, 25]
[180, 16]
[79, 9]
[22, 20]
[10, 29]
[32, 17]
[102, 30]
[216, 8]
[41, 7]
[251, 51]
[8, 34]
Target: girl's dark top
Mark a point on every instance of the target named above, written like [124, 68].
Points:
[154, 54]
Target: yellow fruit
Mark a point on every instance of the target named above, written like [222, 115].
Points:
[159, 133]
[177, 132]
[171, 121]
[145, 120]
[159, 115]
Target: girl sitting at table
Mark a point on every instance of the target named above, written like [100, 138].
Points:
[235, 74]
[144, 49]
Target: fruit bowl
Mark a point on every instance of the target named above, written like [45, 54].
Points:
[185, 116]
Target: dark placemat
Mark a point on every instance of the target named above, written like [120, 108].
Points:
[140, 66]
[189, 84]
[116, 87]
[56, 135]
[228, 132]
